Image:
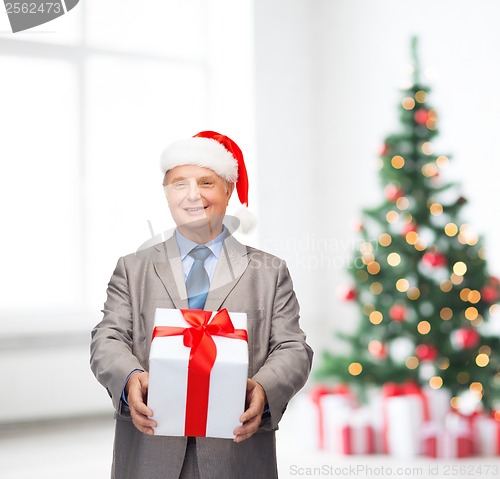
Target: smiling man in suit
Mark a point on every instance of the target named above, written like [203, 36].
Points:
[200, 174]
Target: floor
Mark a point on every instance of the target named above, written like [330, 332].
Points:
[81, 449]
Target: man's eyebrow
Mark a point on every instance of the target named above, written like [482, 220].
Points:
[210, 177]
[201, 178]
[177, 178]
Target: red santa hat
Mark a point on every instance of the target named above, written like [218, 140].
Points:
[210, 149]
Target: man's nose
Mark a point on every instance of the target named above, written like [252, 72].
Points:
[193, 193]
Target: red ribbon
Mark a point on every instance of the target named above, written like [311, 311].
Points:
[405, 389]
[348, 441]
[201, 359]
[495, 415]
[470, 419]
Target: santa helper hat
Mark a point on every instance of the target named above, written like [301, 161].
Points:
[210, 149]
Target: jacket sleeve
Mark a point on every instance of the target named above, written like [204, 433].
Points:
[111, 351]
[289, 360]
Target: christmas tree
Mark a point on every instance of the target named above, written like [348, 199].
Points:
[420, 275]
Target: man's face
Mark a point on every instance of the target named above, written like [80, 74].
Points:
[197, 198]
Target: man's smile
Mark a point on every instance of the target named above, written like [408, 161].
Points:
[195, 209]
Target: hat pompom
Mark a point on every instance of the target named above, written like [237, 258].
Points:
[247, 220]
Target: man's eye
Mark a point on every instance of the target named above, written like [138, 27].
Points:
[180, 184]
[206, 184]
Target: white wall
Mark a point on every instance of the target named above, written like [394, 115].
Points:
[46, 381]
[328, 79]
[285, 116]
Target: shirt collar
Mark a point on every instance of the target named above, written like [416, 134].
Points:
[186, 245]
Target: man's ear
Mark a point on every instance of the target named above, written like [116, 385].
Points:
[230, 189]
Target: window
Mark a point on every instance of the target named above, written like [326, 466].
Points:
[88, 102]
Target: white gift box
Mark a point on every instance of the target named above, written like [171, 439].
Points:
[487, 436]
[355, 433]
[438, 401]
[403, 419]
[334, 408]
[222, 403]
[451, 439]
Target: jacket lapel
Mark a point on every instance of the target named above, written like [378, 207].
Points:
[232, 263]
[169, 270]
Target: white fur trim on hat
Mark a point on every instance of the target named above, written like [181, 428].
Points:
[204, 152]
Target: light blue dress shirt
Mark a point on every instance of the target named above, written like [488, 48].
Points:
[186, 245]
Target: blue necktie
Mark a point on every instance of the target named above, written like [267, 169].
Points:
[198, 282]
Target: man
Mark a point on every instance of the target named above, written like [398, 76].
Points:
[200, 174]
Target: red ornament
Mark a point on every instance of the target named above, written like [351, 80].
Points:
[398, 313]
[358, 226]
[348, 294]
[409, 228]
[426, 352]
[393, 192]
[494, 281]
[490, 293]
[384, 149]
[421, 116]
[434, 259]
[378, 349]
[465, 338]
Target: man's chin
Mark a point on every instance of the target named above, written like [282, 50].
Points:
[205, 223]
[195, 223]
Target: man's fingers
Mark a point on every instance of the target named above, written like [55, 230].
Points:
[144, 425]
[144, 381]
[256, 399]
[141, 417]
[142, 409]
[251, 412]
[247, 430]
[141, 414]
[145, 430]
[247, 418]
[138, 406]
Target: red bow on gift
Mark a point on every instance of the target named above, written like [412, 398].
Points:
[393, 389]
[201, 359]
[322, 390]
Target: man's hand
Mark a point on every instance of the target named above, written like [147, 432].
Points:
[137, 391]
[256, 400]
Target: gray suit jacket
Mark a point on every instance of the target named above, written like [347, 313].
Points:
[245, 280]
